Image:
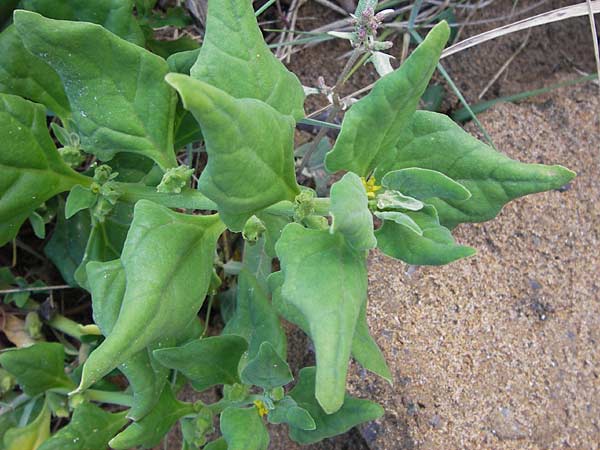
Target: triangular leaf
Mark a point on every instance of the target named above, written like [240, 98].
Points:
[235, 58]
[325, 283]
[372, 126]
[249, 168]
[111, 84]
[166, 283]
[433, 141]
[267, 370]
[206, 362]
[37, 368]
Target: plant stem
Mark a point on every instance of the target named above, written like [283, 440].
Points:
[66, 325]
[193, 199]
[116, 398]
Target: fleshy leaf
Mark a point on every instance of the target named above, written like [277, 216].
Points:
[206, 362]
[167, 259]
[114, 15]
[235, 58]
[353, 411]
[31, 170]
[117, 93]
[32, 435]
[28, 76]
[153, 427]
[425, 183]
[395, 200]
[90, 428]
[243, 429]
[350, 212]
[434, 247]
[79, 199]
[433, 141]
[400, 218]
[288, 411]
[146, 377]
[37, 368]
[249, 146]
[372, 126]
[325, 283]
[267, 369]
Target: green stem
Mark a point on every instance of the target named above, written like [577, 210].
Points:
[116, 398]
[67, 326]
[193, 199]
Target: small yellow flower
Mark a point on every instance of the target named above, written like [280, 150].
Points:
[260, 406]
[370, 186]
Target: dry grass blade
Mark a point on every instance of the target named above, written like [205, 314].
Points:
[556, 15]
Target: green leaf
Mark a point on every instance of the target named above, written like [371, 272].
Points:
[167, 259]
[267, 369]
[31, 436]
[401, 219]
[31, 170]
[37, 368]
[325, 283]
[249, 146]
[182, 62]
[433, 141]
[206, 362]
[38, 225]
[111, 85]
[235, 59]
[114, 15]
[243, 429]
[152, 428]
[28, 76]
[288, 411]
[350, 212]
[146, 377]
[254, 317]
[79, 198]
[372, 126]
[90, 428]
[366, 351]
[353, 411]
[434, 247]
[424, 184]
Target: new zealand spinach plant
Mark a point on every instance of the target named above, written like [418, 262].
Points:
[77, 75]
